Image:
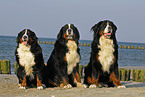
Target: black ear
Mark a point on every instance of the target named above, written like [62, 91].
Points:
[18, 39]
[114, 27]
[77, 36]
[95, 28]
[33, 35]
[19, 36]
[59, 36]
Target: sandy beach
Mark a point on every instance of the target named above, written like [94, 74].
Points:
[9, 88]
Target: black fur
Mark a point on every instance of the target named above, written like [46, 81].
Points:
[93, 72]
[38, 58]
[57, 65]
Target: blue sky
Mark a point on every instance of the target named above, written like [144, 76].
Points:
[46, 17]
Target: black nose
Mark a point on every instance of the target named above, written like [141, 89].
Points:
[25, 37]
[69, 31]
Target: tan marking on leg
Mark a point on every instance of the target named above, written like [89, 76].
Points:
[52, 83]
[61, 85]
[92, 80]
[77, 81]
[24, 81]
[64, 82]
[39, 82]
[78, 77]
[114, 79]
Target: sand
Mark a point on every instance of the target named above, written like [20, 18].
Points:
[9, 88]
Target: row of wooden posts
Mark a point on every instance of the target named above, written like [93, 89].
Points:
[124, 74]
[88, 45]
[81, 44]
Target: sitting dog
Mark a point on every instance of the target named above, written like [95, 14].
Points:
[63, 64]
[30, 60]
[103, 65]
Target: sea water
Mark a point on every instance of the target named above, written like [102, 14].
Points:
[126, 57]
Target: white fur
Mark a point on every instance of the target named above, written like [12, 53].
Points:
[26, 58]
[122, 86]
[72, 56]
[68, 86]
[25, 35]
[69, 26]
[80, 85]
[106, 53]
[25, 32]
[40, 87]
[93, 86]
[68, 29]
[21, 87]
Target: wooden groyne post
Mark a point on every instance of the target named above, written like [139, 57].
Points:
[5, 67]
[139, 75]
[81, 70]
[16, 67]
[124, 74]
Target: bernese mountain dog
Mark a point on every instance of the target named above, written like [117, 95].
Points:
[103, 65]
[30, 60]
[63, 64]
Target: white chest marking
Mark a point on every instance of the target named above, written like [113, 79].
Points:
[26, 58]
[72, 56]
[106, 53]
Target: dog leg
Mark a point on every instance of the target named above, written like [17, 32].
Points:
[116, 81]
[39, 83]
[77, 80]
[93, 86]
[65, 84]
[23, 84]
[68, 86]
[93, 81]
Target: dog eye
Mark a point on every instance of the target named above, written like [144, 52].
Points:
[71, 26]
[28, 32]
[66, 26]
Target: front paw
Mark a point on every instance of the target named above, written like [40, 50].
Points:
[122, 86]
[93, 86]
[81, 85]
[21, 87]
[40, 88]
[68, 86]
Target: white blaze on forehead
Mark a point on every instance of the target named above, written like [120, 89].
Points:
[25, 32]
[25, 35]
[106, 29]
[69, 26]
[107, 23]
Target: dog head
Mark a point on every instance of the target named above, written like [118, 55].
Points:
[27, 37]
[104, 28]
[68, 32]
